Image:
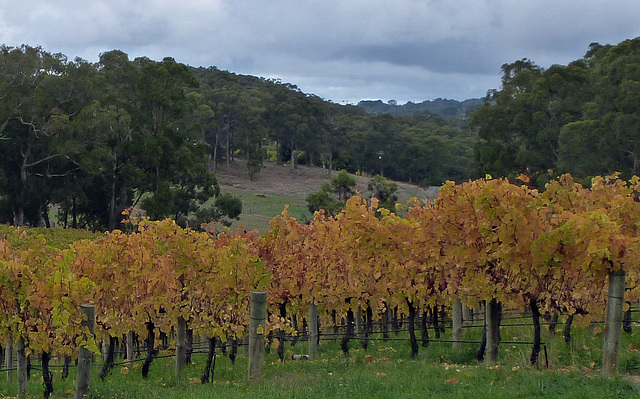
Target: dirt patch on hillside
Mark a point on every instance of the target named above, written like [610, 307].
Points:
[276, 180]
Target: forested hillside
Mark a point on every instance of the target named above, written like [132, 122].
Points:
[582, 118]
[93, 139]
[90, 140]
[258, 119]
[440, 106]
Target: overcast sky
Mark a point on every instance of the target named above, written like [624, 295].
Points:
[340, 50]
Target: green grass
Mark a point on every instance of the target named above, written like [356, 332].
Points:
[259, 209]
[384, 370]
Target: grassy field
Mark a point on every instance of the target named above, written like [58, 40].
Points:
[259, 209]
[384, 370]
[275, 186]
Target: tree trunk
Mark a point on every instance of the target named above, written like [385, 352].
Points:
[21, 198]
[234, 350]
[335, 324]
[436, 322]
[18, 215]
[344, 344]
[151, 340]
[293, 155]
[189, 346]
[223, 347]
[385, 322]
[215, 152]
[397, 322]
[207, 375]
[294, 324]
[467, 316]
[423, 329]
[626, 321]
[109, 361]
[567, 329]
[535, 313]
[47, 376]
[412, 332]
[65, 366]
[281, 333]
[368, 325]
[22, 369]
[114, 212]
[45, 216]
[483, 343]
[493, 330]
[553, 323]
[228, 149]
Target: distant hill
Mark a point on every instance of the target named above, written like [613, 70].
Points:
[439, 106]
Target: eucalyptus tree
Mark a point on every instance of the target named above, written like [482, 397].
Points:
[34, 109]
[608, 131]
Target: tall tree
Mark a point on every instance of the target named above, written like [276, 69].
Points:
[32, 111]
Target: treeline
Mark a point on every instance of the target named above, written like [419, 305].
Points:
[582, 118]
[439, 106]
[257, 119]
[92, 139]
[95, 139]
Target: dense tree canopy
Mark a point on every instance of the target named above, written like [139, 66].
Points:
[582, 118]
[92, 139]
[96, 139]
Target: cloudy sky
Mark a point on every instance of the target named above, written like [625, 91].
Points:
[340, 50]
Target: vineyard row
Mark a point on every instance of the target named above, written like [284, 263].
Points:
[485, 240]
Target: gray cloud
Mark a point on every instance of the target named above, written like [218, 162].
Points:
[448, 56]
[337, 49]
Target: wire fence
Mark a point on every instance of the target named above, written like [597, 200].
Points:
[201, 347]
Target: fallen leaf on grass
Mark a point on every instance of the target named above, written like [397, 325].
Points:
[452, 381]
[124, 370]
[381, 374]
[368, 359]
[194, 380]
